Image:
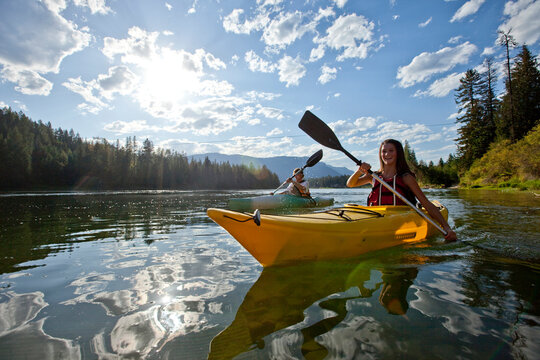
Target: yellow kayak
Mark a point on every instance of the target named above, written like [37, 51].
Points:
[337, 233]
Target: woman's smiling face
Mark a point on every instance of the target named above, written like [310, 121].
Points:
[388, 154]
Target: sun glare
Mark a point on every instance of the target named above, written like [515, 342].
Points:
[168, 80]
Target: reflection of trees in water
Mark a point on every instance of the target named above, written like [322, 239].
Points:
[34, 227]
[497, 286]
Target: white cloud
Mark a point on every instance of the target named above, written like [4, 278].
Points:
[118, 80]
[425, 23]
[95, 6]
[274, 132]
[56, 6]
[93, 102]
[413, 133]
[425, 65]
[285, 29]
[317, 53]
[232, 22]
[256, 63]
[489, 51]
[351, 33]
[455, 39]
[364, 123]
[442, 87]
[27, 82]
[27, 54]
[264, 3]
[291, 70]
[129, 127]
[325, 13]
[257, 145]
[523, 20]
[340, 3]
[269, 112]
[347, 128]
[327, 74]
[467, 9]
[138, 48]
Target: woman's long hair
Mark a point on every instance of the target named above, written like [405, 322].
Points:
[401, 163]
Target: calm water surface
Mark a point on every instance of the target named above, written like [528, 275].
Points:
[148, 275]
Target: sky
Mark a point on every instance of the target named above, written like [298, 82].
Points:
[235, 77]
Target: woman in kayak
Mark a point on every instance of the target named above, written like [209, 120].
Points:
[298, 185]
[395, 171]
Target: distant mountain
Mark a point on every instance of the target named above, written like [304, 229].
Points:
[281, 165]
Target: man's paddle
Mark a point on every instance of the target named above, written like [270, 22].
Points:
[313, 159]
[320, 132]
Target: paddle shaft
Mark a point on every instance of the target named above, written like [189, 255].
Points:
[279, 187]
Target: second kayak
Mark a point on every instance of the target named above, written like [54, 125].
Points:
[279, 201]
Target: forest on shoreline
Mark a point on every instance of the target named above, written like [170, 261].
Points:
[34, 156]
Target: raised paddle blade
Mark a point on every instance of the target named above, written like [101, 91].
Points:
[319, 131]
[314, 159]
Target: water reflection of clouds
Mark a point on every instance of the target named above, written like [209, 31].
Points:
[354, 333]
[23, 337]
[446, 292]
[158, 295]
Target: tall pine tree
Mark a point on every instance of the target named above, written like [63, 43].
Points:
[470, 141]
[526, 91]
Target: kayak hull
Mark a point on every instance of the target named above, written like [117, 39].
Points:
[333, 234]
[280, 201]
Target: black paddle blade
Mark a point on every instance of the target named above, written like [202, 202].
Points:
[314, 159]
[319, 131]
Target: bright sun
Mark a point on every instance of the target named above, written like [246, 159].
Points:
[166, 79]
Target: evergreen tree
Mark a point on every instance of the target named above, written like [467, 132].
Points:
[489, 102]
[471, 140]
[526, 90]
[507, 40]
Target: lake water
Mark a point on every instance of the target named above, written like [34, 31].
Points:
[148, 275]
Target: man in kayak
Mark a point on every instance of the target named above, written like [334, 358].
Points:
[395, 171]
[298, 185]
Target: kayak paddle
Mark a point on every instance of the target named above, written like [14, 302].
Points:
[320, 132]
[313, 159]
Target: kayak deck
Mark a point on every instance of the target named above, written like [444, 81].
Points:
[337, 233]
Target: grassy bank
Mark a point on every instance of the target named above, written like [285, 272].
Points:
[507, 165]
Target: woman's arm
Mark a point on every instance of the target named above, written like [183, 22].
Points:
[360, 176]
[432, 210]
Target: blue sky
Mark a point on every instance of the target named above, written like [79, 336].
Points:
[236, 76]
